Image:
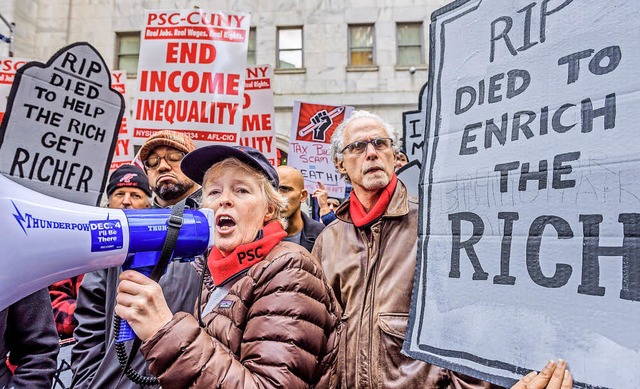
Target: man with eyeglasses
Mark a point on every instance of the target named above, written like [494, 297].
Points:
[161, 155]
[94, 360]
[369, 257]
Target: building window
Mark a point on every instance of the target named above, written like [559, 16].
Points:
[289, 48]
[409, 41]
[128, 46]
[251, 48]
[361, 45]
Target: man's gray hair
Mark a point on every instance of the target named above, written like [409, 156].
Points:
[337, 140]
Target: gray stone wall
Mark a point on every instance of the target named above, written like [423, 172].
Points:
[388, 90]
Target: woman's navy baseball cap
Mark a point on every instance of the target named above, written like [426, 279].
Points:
[197, 162]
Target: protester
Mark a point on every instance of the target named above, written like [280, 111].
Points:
[369, 257]
[94, 360]
[29, 338]
[333, 203]
[161, 155]
[301, 229]
[63, 296]
[128, 188]
[401, 159]
[326, 205]
[271, 320]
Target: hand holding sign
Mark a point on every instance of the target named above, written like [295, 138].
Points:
[553, 376]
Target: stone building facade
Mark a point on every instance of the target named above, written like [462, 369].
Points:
[352, 51]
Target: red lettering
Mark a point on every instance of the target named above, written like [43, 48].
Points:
[190, 52]
[233, 81]
[247, 101]
[207, 53]
[152, 18]
[256, 122]
[190, 81]
[9, 64]
[171, 19]
[122, 146]
[172, 52]
[161, 19]
[256, 72]
[252, 73]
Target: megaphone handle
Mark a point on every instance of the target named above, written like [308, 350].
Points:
[155, 272]
[126, 332]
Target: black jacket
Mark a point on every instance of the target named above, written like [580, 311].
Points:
[310, 231]
[28, 332]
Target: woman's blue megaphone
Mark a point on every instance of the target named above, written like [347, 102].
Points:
[45, 239]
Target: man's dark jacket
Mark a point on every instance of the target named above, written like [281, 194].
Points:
[310, 231]
[27, 331]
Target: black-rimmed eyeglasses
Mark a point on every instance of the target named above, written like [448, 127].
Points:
[360, 146]
[171, 158]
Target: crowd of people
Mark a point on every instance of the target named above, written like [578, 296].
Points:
[281, 300]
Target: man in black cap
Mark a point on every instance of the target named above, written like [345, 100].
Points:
[94, 360]
[129, 188]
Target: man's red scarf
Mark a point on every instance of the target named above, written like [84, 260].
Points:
[360, 217]
[244, 256]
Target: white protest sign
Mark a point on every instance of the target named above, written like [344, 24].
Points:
[530, 228]
[191, 75]
[60, 129]
[124, 147]
[414, 143]
[8, 69]
[312, 126]
[258, 130]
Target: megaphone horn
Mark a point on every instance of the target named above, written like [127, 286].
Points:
[43, 244]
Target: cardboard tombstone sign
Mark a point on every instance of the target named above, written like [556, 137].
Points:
[60, 129]
[530, 216]
[414, 143]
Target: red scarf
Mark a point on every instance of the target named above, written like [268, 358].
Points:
[244, 256]
[360, 217]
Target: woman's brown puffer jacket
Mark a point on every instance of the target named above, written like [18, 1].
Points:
[277, 327]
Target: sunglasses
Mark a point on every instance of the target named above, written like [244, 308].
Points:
[171, 158]
[360, 146]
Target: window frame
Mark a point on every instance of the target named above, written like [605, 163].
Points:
[279, 50]
[120, 36]
[421, 46]
[373, 64]
[252, 33]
